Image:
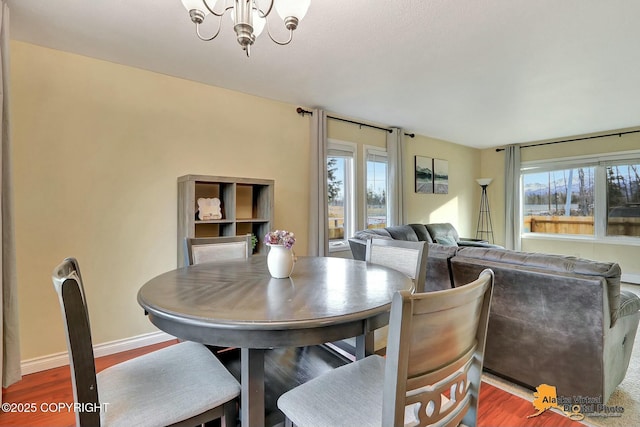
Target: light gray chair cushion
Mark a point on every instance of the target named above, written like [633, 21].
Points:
[164, 387]
[348, 396]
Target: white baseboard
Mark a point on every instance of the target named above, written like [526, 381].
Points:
[37, 364]
[630, 278]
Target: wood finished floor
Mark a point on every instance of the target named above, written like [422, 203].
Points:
[284, 368]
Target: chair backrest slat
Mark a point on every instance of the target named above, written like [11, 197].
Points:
[199, 250]
[68, 284]
[407, 257]
[219, 252]
[435, 348]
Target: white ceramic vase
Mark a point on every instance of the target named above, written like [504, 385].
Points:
[280, 261]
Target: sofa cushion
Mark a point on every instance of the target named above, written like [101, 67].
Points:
[439, 267]
[374, 233]
[443, 229]
[557, 263]
[402, 232]
[545, 327]
[422, 233]
[446, 241]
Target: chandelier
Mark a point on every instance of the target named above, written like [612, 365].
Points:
[248, 18]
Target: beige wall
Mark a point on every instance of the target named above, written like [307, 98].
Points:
[360, 135]
[460, 206]
[97, 150]
[492, 164]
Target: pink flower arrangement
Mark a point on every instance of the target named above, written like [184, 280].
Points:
[280, 237]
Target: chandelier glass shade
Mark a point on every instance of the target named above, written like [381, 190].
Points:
[249, 19]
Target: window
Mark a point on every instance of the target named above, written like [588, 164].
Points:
[623, 199]
[376, 186]
[355, 203]
[588, 196]
[340, 194]
[559, 201]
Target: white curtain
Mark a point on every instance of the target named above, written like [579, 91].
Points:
[395, 156]
[318, 209]
[10, 335]
[512, 197]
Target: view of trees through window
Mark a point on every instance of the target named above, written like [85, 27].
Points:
[559, 202]
[336, 196]
[376, 190]
[564, 201]
[344, 196]
[623, 200]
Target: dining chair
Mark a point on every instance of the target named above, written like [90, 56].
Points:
[210, 249]
[407, 257]
[431, 374]
[199, 250]
[180, 385]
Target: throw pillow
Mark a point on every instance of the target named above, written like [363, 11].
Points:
[446, 241]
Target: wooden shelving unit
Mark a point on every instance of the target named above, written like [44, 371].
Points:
[247, 207]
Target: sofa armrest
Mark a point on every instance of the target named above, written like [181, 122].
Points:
[477, 243]
[358, 248]
[470, 239]
[629, 303]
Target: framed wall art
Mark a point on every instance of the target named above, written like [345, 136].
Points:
[424, 174]
[440, 176]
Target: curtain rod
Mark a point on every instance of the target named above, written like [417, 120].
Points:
[619, 134]
[302, 112]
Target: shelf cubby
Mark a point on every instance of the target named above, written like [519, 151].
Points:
[246, 205]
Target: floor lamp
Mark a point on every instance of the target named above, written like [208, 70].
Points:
[484, 230]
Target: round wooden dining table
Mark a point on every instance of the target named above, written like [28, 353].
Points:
[238, 304]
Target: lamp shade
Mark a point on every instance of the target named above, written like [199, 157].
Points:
[296, 8]
[198, 5]
[484, 181]
[258, 23]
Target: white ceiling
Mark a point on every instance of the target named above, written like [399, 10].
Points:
[481, 73]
